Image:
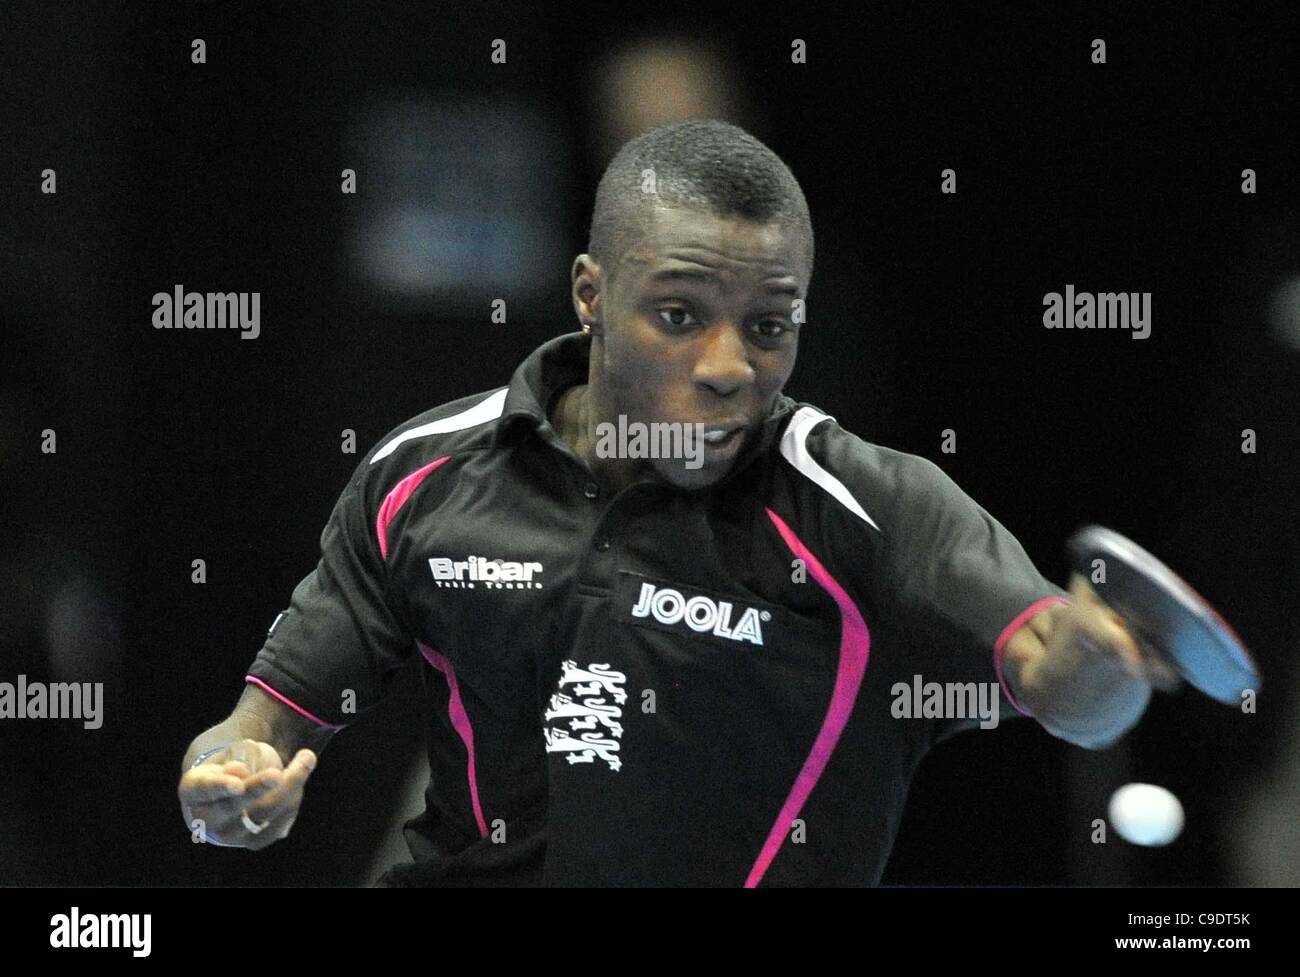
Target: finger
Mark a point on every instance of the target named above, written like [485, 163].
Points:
[1160, 676]
[1103, 626]
[207, 783]
[1102, 654]
[1112, 645]
[1162, 673]
[276, 829]
[223, 820]
[236, 768]
[228, 828]
[206, 794]
[225, 815]
[274, 811]
[1082, 591]
[1141, 659]
[300, 768]
[263, 783]
[1091, 599]
[267, 773]
[294, 776]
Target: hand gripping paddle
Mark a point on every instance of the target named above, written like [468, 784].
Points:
[1166, 613]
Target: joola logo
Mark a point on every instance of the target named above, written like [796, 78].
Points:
[501, 574]
[701, 614]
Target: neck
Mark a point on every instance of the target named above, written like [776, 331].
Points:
[577, 416]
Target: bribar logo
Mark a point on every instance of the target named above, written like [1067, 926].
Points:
[946, 700]
[60, 700]
[1105, 310]
[639, 440]
[180, 309]
[493, 574]
[703, 615]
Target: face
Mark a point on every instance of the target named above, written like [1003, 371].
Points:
[697, 327]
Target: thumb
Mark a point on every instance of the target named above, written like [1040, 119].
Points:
[1081, 591]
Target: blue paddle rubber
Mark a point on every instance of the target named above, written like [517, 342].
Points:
[1166, 612]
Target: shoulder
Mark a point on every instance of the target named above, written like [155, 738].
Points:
[465, 424]
[886, 487]
[454, 429]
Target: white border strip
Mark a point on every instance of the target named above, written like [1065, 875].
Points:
[485, 410]
[795, 450]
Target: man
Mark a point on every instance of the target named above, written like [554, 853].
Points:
[660, 670]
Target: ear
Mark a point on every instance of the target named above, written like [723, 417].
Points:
[588, 282]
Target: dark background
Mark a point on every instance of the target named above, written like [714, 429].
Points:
[924, 314]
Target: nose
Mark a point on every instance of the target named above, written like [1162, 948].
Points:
[724, 365]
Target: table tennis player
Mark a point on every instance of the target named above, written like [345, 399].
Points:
[676, 669]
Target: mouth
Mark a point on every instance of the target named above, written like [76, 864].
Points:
[722, 441]
[719, 435]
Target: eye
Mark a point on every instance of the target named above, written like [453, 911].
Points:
[675, 316]
[776, 328]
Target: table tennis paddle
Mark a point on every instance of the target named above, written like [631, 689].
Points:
[1166, 613]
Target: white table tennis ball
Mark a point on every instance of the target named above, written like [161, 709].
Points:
[1144, 814]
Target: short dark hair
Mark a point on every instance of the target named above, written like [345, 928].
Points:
[700, 164]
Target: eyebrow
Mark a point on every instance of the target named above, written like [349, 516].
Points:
[711, 277]
[689, 274]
